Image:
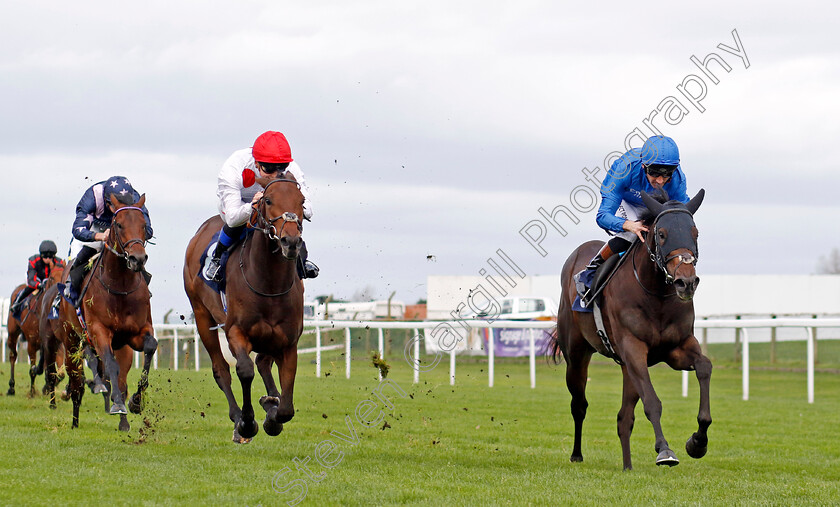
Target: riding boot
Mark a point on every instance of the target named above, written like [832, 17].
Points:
[17, 306]
[305, 267]
[77, 275]
[583, 279]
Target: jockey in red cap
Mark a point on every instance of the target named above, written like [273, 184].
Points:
[238, 190]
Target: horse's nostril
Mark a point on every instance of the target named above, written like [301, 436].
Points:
[680, 284]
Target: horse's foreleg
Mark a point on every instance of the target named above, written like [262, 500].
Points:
[577, 367]
[246, 426]
[124, 356]
[102, 339]
[689, 357]
[135, 404]
[32, 352]
[271, 402]
[627, 417]
[635, 358]
[264, 363]
[76, 377]
[288, 370]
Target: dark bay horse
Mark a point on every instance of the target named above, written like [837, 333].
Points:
[264, 305]
[28, 327]
[649, 318]
[115, 305]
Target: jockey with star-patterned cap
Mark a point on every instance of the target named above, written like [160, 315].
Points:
[93, 222]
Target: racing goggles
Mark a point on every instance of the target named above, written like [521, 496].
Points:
[656, 170]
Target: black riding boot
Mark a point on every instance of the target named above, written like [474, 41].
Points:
[305, 267]
[77, 274]
[17, 306]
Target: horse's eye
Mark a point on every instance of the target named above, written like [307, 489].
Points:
[268, 201]
[119, 225]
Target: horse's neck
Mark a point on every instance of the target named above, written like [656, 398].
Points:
[276, 271]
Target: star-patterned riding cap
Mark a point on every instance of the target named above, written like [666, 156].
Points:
[118, 185]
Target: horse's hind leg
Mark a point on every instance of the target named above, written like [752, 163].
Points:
[688, 357]
[11, 343]
[577, 368]
[627, 417]
[149, 349]
[32, 351]
[96, 385]
[76, 378]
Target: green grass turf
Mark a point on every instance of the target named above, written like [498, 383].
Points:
[462, 445]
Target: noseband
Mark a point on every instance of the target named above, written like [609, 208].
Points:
[657, 255]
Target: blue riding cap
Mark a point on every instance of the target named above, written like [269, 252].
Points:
[660, 150]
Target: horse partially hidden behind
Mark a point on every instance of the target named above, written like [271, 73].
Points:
[649, 318]
[114, 301]
[264, 305]
[28, 327]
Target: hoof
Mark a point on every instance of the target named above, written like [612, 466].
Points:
[53, 406]
[65, 396]
[10, 392]
[269, 402]
[272, 428]
[667, 457]
[124, 426]
[696, 446]
[238, 439]
[247, 430]
[45, 390]
[118, 409]
[576, 459]
[135, 405]
[99, 388]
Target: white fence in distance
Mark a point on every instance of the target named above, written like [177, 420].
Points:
[182, 335]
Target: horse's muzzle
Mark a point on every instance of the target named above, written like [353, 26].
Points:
[290, 246]
[136, 262]
[686, 287]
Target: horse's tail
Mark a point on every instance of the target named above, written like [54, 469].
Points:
[553, 350]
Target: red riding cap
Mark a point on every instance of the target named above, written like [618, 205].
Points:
[272, 147]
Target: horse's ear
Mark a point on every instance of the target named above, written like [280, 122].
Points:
[289, 176]
[263, 181]
[141, 201]
[652, 204]
[696, 201]
[114, 202]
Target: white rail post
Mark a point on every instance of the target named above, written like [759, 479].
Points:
[155, 359]
[3, 339]
[811, 333]
[491, 357]
[136, 359]
[532, 360]
[745, 363]
[452, 367]
[318, 351]
[175, 347]
[195, 349]
[417, 356]
[347, 339]
[685, 383]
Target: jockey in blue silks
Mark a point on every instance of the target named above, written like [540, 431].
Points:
[654, 166]
[93, 225]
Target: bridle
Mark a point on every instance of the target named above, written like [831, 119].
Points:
[659, 259]
[120, 245]
[118, 242]
[267, 226]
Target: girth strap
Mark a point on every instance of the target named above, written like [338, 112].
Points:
[602, 333]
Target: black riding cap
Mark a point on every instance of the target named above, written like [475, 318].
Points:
[47, 247]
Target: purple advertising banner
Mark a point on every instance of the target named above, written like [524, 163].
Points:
[517, 342]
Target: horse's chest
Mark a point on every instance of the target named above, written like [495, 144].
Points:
[268, 337]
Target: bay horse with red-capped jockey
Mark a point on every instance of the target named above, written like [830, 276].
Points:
[264, 310]
[648, 317]
[116, 311]
[28, 327]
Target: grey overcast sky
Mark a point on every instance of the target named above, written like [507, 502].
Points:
[431, 128]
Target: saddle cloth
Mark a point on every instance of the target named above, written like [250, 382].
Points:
[220, 285]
